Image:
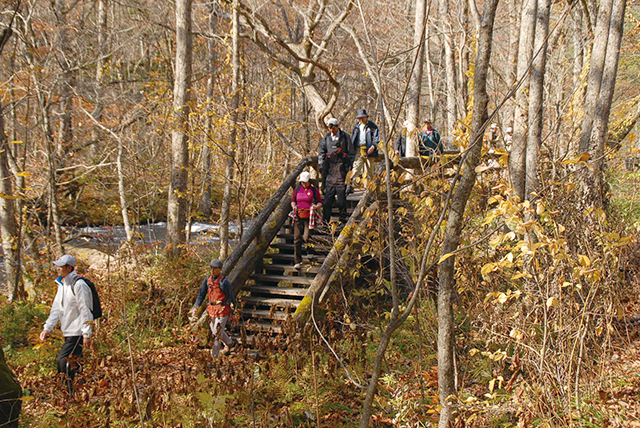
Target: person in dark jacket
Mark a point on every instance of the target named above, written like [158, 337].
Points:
[220, 299]
[365, 139]
[429, 140]
[401, 141]
[334, 159]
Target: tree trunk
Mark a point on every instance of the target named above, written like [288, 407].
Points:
[446, 325]
[124, 206]
[176, 209]
[64, 127]
[596, 69]
[536, 94]
[415, 83]
[8, 227]
[450, 67]
[520, 118]
[229, 167]
[205, 201]
[596, 192]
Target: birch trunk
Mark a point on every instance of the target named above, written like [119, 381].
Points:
[176, 207]
[596, 193]
[536, 94]
[596, 69]
[446, 324]
[520, 118]
[415, 83]
[205, 200]
[229, 168]
[450, 69]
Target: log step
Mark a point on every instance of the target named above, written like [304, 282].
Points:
[265, 314]
[289, 257]
[271, 301]
[317, 247]
[276, 291]
[288, 269]
[282, 278]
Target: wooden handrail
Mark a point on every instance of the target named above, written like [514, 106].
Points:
[256, 226]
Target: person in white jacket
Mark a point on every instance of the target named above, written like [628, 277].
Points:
[72, 307]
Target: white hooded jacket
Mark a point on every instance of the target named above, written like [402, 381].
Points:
[71, 307]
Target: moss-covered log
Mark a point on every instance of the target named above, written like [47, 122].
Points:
[10, 393]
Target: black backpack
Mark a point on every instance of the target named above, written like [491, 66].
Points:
[97, 308]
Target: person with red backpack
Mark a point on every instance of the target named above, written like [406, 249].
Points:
[73, 307]
[220, 302]
[305, 202]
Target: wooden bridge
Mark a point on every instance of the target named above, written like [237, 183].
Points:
[260, 268]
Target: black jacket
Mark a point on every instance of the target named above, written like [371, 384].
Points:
[328, 146]
[372, 138]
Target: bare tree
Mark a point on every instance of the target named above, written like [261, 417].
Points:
[596, 69]
[520, 118]
[536, 91]
[415, 83]
[594, 191]
[231, 151]
[450, 68]
[446, 289]
[176, 210]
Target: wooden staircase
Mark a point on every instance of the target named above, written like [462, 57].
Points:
[275, 289]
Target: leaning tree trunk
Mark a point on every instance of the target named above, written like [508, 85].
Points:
[536, 95]
[520, 117]
[446, 325]
[177, 204]
[64, 111]
[231, 152]
[596, 69]
[595, 194]
[415, 83]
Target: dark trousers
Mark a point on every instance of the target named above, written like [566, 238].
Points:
[300, 233]
[327, 204]
[68, 358]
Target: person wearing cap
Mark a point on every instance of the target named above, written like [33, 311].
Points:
[334, 160]
[493, 138]
[305, 198]
[401, 141]
[508, 138]
[71, 307]
[365, 139]
[429, 140]
[220, 299]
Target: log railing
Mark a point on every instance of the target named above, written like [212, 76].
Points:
[240, 258]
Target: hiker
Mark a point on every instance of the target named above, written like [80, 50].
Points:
[508, 139]
[401, 141]
[72, 306]
[220, 299]
[334, 160]
[365, 139]
[429, 140]
[305, 202]
[493, 138]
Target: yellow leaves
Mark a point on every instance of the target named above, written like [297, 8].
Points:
[492, 383]
[24, 174]
[584, 260]
[488, 268]
[583, 158]
[502, 298]
[552, 302]
[516, 334]
[445, 257]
